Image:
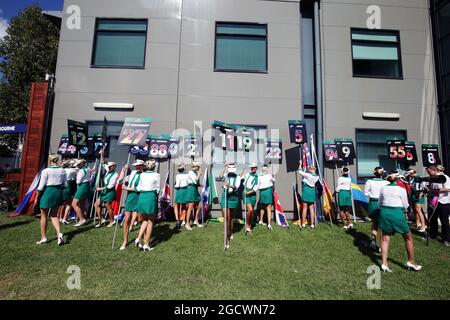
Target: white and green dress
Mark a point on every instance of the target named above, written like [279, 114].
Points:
[251, 186]
[148, 188]
[393, 199]
[231, 193]
[372, 190]
[51, 185]
[83, 184]
[181, 185]
[109, 193]
[192, 194]
[133, 179]
[309, 186]
[265, 187]
[344, 187]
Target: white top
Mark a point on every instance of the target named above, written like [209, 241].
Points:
[181, 180]
[251, 182]
[84, 175]
[393, 196]
[149, 181]
[193, 178]
[444, 198]
[309, 178]
[265, 181]
[132, 178]
[71, 173]
[110, 179]
[52, 176]
[373, 187]
[344, 183]
[233, 181]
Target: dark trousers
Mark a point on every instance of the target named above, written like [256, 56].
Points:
[442, 213]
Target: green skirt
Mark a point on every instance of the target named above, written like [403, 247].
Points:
[420, 200]
[266, 196]
[251, 199]
[345, 198]
[393, 220]
[131, 204]
[181, 195]
[51, 197]
[70, 190]
[148, 202]
[192, 194]
[373, 210]
[83, 191]
[108, 195]
[309, 194]
[232, 200]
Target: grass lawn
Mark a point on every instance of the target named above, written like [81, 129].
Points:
[323, 263]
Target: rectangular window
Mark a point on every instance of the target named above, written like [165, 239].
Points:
[371, 150]
[241, 47]
[119, 43]
[376, 54]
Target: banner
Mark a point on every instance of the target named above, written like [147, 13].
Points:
[193, 147]
[78, 133]
[65, 149]
[345, 149]
[411, 153]
[135, 131]
[13, 128]
[158, 147]
[430, 155]
[330, 151]
[274, 151]
[297, 131]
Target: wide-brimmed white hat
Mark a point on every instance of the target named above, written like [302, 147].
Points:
[111, 163]
[139, 162]
[195, 164]
[409, 172]
[253, 165]
[181, 166]
[231, 168]
[79, 161]
[393, 175]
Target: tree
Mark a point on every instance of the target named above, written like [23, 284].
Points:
[28, 52]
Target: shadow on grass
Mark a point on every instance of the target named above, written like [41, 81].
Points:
[14, 224]
[71, 234]
[362, 242]
[163, 233]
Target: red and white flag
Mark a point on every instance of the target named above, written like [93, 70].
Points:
[279, 212]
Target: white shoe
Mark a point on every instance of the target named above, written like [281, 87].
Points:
[413, 267]
[42, 241]
[303, 225]
[65, 222]
[312, 226]
[112, 223]
[137, 243]
[345, 228]
[231, 237]
[262, 223]
[81, 223]
[60, 239]
[98, 225]
[385, 268]
[227, 247]
[198, 224]
[147, 248]
[269, 227]
[135, 223]
[350, 226]
[248, 231]
[122, 248]
[188, 227]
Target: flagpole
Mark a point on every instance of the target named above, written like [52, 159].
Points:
[315, 189]
[97, 182]
[336, 194]
[351, 197]
[120, 204]
[320, 174]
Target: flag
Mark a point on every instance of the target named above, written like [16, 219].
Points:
[29, 197]
[116, 204]
[307, 155]
[360, 200]
[206, 193]
[165, 200]
[279, 212]
[297, 205]
[328, 207]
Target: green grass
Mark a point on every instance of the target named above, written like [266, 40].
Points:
[323, 263]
